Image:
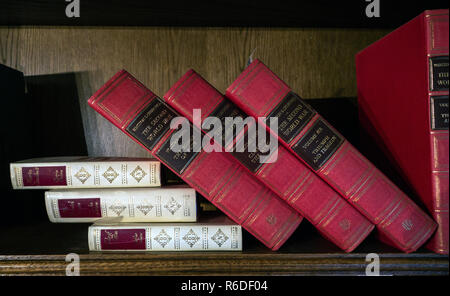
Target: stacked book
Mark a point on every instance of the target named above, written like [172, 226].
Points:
[124, 200]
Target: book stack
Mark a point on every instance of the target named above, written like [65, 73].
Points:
[124, 200]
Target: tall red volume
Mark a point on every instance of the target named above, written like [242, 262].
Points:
[261, 94]
[287, 176]
[144, 117]
[403, 82]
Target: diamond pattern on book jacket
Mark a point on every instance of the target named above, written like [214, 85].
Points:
[82, 175]
[117, 208]
[219, 237]
[145, 208]
[172, 206]
[110, 174]
[163, 238]
[138, 174]
[191, 238]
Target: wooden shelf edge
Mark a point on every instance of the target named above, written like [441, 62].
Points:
[186, 263]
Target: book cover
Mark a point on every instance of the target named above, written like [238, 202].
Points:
[139, 113]
[85, 172]
[287, 176]
[167, 204]
[209, 234]
[263, 95]
[403, 105]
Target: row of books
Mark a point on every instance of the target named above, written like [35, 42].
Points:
[124, 200]
[314, 172]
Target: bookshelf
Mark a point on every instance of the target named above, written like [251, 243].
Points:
[65, 65]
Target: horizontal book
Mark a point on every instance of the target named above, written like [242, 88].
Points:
[287, 176]
[307, 135]
[144, 117]
[168, 204]
[210, 234]
[85, 172]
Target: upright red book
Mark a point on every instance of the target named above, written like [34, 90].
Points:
[261, 94]
[287, 176]
[144, 117]
[403, 101]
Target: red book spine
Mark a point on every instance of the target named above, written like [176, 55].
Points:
[438, 84]
[144, 117]
[44, 176]
[260, 93]
[403, 85]
[288, 177]
[123, 239]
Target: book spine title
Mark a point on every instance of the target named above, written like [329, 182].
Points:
[438, 88]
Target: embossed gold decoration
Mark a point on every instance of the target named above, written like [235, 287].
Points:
[117, 208]
[145, 207]
[111, 235]
[138, 174]
[172, 206]
[191, 238]
[407, 225]
[163, 238]
[82, 175]
[271, 219]
[345, 224]
[138, 237]
[110, 174]
[219, 237]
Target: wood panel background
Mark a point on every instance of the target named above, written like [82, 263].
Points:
[317, 63]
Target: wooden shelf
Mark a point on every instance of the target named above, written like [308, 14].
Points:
[41, 249]
[211, 264]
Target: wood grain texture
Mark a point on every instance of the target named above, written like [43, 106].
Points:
[318, 63]
[224, 264]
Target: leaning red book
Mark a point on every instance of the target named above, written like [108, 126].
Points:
[403, 85]
[144, 117]
[287, 176]
[262, 94]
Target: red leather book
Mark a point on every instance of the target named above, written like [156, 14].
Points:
[287, 176]
[144, 117]
[403, 101]
[261, 94]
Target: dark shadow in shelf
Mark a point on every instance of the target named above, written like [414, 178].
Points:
[281, 13]
[42, 118]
